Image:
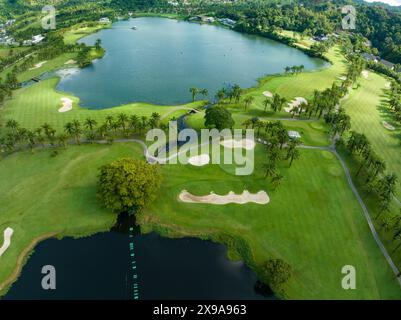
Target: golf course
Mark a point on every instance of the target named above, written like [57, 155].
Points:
[313, 219]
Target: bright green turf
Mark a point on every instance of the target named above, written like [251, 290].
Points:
[367, 110]
[304, 223]
[35, 105]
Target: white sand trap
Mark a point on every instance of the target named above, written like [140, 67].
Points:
[67, 105]
[7, 240]
[388, 85]
[260, 198]
[38, 65]
[268, 94]
[246, 144]
[71, 62]
[365, 74]
[295, 103]
[343, 78]
[388, 126]
[199, 161]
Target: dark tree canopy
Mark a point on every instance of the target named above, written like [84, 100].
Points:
[276, 272]
[218, 117]
[128, 184]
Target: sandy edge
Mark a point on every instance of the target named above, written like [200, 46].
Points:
[8, 232]
[21, 260]
[388, 126]
[38, 65]
[199, 161]
[267, 94]
[234, 144]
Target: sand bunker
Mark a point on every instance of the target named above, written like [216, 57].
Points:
[199, 161]
[365, 74]
[244, 143]
[38, 65]
[343, 78]
[295, 103]
[7, 240]
[260, 198]
[67, 105]
[71, 62]
[388, 85]
[268, 94]
[388, 126]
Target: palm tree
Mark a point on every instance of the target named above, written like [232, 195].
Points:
[90, 123]
[194, 91]
[220, 94]
[109, 120]
[204, 92]
[77, 130]
[248, 101]
[122, 120]
[270, 169]
[276, 180]
[12, 124]
[293, 155]
[133, 121]
[277, 102]
[62, 140]
[266, 102]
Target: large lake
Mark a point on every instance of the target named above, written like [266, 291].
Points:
[163, 58]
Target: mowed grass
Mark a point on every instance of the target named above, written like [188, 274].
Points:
[40, 195]
[77, 32]
[313, 222]
[32, 106]
[367, 110]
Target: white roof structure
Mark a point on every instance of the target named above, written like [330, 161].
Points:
[294, 134]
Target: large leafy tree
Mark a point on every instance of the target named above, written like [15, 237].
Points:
[127, 185]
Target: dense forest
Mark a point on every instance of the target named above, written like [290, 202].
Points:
[381, 24]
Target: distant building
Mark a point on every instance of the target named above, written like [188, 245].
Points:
[294, 134]
[37, 39]
[104, 20]
[370, 57]
[321, 38]
[388, 64]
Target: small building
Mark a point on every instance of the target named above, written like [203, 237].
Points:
[294, 134]
[321, 38]
[37, 39]
[227, 22]
[388, 64]
[104, 20]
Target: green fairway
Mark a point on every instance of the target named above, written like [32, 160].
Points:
[40, 195]
[35, 105]
[366, 107]
[305, 224]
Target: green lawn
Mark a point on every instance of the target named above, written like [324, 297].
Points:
[313, 222]
[35, 105]
[366, 107]
[77, 32]
[304, 223]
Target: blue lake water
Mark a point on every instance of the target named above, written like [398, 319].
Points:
[163, 58]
